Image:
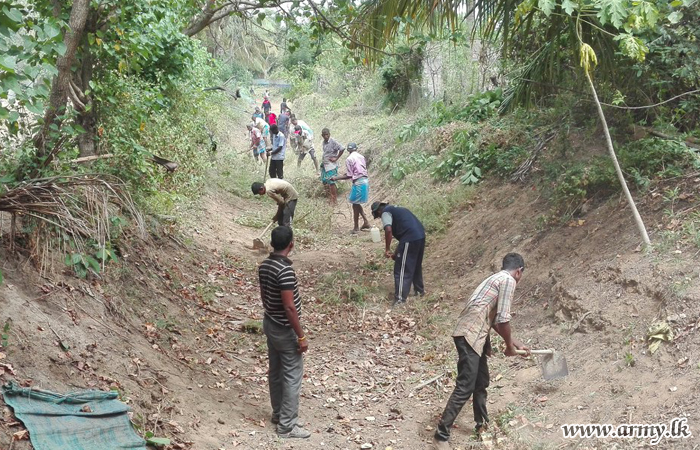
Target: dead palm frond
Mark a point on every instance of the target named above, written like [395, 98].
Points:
[77, 208]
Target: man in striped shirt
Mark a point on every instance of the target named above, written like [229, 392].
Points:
[488, 307]
[286, 340]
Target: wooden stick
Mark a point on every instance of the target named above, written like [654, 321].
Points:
[430, 381]
[83, 159]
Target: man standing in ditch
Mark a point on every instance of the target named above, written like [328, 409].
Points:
[356, 170]
[284, 194]
[286, 340]
[283, 123]
[488, 307]
[332, 151]
[408, 257]
[264, 128]
[276, 155]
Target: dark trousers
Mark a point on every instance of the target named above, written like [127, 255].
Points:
[472, 378]
[408, 269]
[285, 214]
[277, 168]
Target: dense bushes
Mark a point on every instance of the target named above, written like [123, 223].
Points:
[642, 161]
[478, 107]
[141, 119]
[399, 73]
[474, 154]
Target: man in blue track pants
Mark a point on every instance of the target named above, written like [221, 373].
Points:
[408, 257]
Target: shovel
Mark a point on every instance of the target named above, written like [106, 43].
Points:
[553, 364]
[258, 242]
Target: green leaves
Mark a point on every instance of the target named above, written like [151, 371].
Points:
[568, 6]
[10, 18]
[30, 43]
[547, 6]
[675, 17]
[632, 46]
[8, 63]
[157, 441]
[83, 263]
[613, 11]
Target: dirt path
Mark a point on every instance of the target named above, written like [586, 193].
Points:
[366, 359]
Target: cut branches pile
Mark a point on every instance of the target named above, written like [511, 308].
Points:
[78, 207]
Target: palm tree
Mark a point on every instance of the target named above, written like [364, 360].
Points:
[547, 42]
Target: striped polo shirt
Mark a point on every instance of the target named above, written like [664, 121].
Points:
[276, 275]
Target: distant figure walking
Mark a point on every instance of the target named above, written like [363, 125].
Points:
[257, 144]
[301, 139]
[283, 122]
[264, 128]
[266, 105]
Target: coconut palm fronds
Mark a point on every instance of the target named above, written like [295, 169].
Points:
[76, 206]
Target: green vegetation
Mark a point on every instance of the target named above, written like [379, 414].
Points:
[252, 327]
[400, 73]
[341, 287]
[124, 85]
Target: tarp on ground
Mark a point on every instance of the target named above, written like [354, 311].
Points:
[84, 420]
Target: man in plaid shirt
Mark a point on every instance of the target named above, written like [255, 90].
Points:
[488, 307]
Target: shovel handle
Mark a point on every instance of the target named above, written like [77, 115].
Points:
[265, 230]
[535, 352]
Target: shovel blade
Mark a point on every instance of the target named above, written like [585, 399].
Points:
[258, 244]
[554, 366]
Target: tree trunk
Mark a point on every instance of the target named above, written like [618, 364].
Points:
[60, 84]
[202, 20]
[637, 218]
[87, 117]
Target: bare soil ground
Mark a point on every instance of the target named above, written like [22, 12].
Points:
[175, 328]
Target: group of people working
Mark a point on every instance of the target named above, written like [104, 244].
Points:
[488, 306]
[268, 139]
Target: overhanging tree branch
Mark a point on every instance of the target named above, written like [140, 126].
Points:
[211, 13]
[342, 34]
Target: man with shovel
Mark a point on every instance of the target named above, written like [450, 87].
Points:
[488, 307]
[284, 194]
